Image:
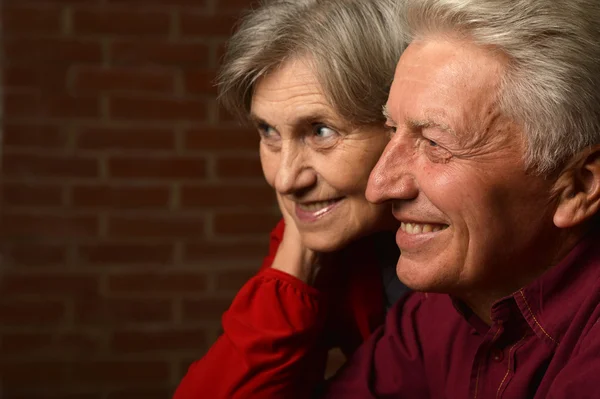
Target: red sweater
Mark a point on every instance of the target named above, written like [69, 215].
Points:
[278, 329]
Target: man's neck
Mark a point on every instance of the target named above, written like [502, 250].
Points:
[480, 301]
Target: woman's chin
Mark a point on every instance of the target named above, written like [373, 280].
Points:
[322, 244]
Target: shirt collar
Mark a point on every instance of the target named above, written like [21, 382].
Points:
[549, 303]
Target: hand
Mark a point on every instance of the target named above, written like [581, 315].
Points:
[292, 256]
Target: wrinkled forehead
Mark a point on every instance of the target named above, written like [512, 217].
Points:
[449, 79]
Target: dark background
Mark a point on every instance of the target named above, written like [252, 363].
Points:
[132, 208]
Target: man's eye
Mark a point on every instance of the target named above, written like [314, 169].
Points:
[432, 143]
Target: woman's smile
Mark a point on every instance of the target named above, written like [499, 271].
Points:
[309, 212]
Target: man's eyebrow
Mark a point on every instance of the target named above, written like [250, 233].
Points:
[424, 124]
[386, 113]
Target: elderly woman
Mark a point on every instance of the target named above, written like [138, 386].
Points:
[312, 77]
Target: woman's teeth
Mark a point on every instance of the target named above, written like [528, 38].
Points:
[419, 228]
[315, 206]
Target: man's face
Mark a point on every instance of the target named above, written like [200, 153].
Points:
[472, 218]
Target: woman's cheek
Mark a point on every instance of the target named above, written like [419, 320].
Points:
[269, 165]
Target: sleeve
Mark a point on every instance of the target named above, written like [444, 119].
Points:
[271, 346]
[579, 378]
[274, 240]
[389, 363]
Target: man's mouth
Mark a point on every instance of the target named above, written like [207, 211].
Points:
[421, 228]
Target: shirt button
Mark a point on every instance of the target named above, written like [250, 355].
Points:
[497, 355]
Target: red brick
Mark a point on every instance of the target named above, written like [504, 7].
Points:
[149, 109]
[203, 251]
[34, 254]
[57, 344]
[23, 343]
[158, 341]
[63, 2]
[120, 22]
[141, 393]
[41, 50]
[43, 225]
[147, 283]
[180, 226]
[119, 253]
[108, 138]
[51, 373]
[204, 309]
[192, 3]
[239, 167]
[49, 284]
[94, 79]
[21, 103]
[25, 313]
[244, 223]
[235, 4]
[47, 77]
[232, 280]
[106, 372]
[201, 81]
[27, 165]
[58, 391]
[214, 139]
[31, 104]
[31, 19]
[24, 194]
[219, 195]
[66, 106]
[33, 136]
[115, 197]
[157, 168]
[141, 52]
[123, 311]
[207, 25]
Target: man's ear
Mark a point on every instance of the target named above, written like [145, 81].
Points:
[578, 189]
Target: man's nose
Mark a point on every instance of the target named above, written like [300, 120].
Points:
[392, 178]
[295, 172]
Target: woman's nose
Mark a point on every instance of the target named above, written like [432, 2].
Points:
[295, 172]
[392, 177]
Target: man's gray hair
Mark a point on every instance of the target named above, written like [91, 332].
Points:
[552, 83]
[353, 45]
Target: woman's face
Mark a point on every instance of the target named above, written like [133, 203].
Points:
[317, 162]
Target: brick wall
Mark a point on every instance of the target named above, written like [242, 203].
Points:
[132, 207]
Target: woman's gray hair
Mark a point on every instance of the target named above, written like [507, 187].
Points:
[353, 45]
[552, 83]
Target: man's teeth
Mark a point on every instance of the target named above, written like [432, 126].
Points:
[315, 206]
[419, 228]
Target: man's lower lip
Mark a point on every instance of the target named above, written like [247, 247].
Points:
[312, 216]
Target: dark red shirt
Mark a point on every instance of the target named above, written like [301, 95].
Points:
[544, 343]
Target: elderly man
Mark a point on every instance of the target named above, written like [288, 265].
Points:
[495, 120]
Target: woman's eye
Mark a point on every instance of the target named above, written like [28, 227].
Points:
[432, 143]
[266, 131]
[324, 132]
